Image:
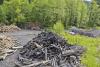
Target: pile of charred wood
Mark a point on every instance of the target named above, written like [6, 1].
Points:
[49, 50]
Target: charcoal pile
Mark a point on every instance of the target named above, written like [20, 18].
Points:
[49, 50]
[10, 28]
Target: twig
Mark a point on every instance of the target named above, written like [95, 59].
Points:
[35, 64]
[37, 45]
[18, 47]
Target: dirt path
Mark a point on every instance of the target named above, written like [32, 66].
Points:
[23, 37]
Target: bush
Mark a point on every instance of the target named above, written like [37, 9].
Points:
[14, 11]
[58, 27]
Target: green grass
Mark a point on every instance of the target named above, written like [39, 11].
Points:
[91, 58]
[98, 27]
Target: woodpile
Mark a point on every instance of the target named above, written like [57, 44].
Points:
[6, 44]
[49, 50]
[10, 28]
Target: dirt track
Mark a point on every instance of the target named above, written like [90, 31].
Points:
[22, 37]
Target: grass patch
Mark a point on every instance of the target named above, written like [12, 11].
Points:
[91, 58]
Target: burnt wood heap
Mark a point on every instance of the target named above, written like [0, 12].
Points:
[49, 50]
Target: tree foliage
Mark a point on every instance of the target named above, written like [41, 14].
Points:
[93, 14]
[1, 1]
[47, 12]
[76, 13]
[98, 2]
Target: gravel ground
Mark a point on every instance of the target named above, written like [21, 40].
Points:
[22, 37]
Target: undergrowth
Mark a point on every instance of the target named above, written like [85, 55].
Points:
[91, 57]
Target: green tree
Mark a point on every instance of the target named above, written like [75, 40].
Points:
[98, 2]
[3, 15]
[16, 11]
[1, 1]
[76, 13]
[48, 11]
[93, 14]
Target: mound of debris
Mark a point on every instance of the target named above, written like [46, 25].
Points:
[6, 44]
[89, 33]
[49, 50]
[10, 28]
